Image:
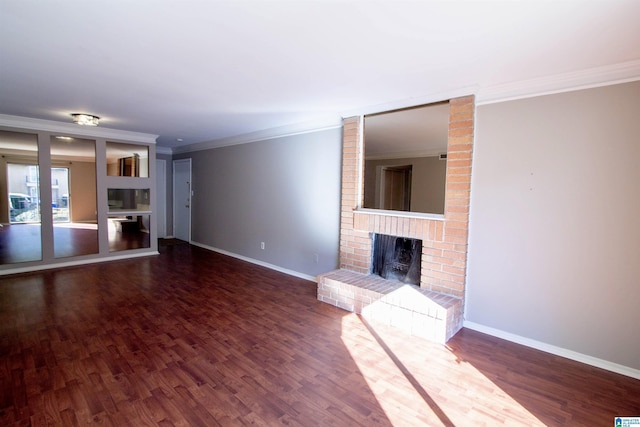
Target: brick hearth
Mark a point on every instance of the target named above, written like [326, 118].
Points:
[431, 315]
[444, 241]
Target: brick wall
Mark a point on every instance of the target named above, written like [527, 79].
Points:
[444, 240]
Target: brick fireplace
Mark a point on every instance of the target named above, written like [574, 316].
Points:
[433, 310]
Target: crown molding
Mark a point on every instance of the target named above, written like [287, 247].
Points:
[566, 82]
[72, 129]
[399, 104]
[325, 123]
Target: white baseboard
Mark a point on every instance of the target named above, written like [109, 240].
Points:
[558, 351]
[255, 261]
[87, 261]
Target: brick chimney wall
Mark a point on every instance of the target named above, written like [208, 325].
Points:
[444, 239]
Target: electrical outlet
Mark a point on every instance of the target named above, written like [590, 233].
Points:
[262, 245]
[315, 258]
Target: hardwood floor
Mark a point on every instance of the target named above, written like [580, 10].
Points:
[195, 338]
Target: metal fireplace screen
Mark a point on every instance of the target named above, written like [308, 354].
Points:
[397, 258]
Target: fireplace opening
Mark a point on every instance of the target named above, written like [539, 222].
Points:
[397, 258]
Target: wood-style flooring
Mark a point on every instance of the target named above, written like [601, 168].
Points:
[195, 338]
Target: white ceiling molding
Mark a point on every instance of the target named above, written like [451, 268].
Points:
[411, 102]
[583, 79]
[326, 123]
[71, 129]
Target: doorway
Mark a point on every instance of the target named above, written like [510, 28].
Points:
[20, 237]
[60, 194]
[182, 199]
[395, 188]
[24, 193]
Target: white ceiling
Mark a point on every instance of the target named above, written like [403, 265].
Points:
[213, 70]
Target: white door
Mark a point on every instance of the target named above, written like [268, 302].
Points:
[161, 197]
[182, 199]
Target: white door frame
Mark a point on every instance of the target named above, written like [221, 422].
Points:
[161, 197]
[175, 201]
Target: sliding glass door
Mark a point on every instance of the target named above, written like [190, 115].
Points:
[73, 196]
[20, 229]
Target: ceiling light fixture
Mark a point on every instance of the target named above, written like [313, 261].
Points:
[85, 119]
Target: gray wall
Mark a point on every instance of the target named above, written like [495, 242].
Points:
[284, 192]
[554, 251]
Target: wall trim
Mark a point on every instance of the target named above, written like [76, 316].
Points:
[558, 83]
[41, 267]
[552, 349]
[400, 214]
[66, 129]
[326, 123]
[565, 82]
[257, 262]
[398, 104]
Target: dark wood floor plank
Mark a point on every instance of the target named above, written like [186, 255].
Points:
[193, 338]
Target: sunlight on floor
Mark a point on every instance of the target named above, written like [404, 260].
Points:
[437, 388]
[414, 312]
[77, 225]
